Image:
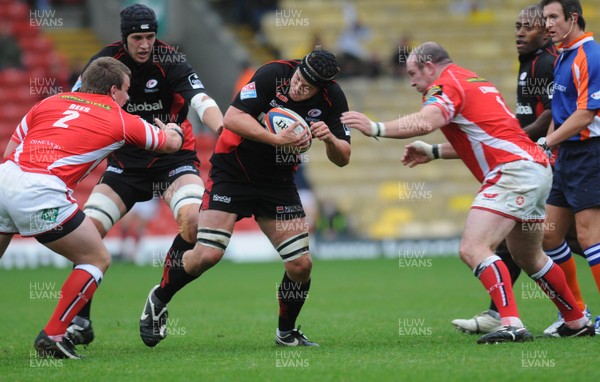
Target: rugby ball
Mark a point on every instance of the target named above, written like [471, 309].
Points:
[279, 118]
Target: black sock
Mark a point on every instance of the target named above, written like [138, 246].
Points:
[513, 268]
[85, 311]
[291, 297]
[174, 275]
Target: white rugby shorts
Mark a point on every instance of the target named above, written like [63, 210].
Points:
[517, 190]
[32, 203]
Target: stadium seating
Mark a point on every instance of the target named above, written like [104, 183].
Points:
[77, 44]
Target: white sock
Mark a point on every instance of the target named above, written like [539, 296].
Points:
[512, 321]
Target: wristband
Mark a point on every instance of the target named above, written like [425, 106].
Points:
[178, 131]
[544, 146]
[432, 151]
[377, 129]
[435, 149]
[542, 143]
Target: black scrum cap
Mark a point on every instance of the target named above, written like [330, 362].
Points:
[319, 67]
[137, 18]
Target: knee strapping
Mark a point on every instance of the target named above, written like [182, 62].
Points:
[294, 247]
[188, 194]
[101, 208]
[215, 238]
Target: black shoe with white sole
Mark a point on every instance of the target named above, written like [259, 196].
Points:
[80, 332]
[506, 334]
[153, 322]
[294, 338]
[564, 331]
[47, 347]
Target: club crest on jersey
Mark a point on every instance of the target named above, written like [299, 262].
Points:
[248, 91]
[522, 79]
[314, 113]
[151, 86]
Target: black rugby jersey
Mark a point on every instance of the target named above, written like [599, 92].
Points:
[162, 87]
[248, 160]
[535, 85]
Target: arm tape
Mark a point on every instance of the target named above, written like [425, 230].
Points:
[377, 129]
[200, 106]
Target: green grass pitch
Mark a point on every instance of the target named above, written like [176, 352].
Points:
[376, 320]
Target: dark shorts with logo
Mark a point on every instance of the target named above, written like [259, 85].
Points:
[576, 181]
[274, 201]
[141, 185]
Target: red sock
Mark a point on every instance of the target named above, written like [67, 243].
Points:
[77, 290]
[596, 273]
[551, 279]
[496, 280]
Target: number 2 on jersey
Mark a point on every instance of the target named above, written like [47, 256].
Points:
[70, 114]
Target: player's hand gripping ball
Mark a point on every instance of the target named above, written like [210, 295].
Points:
[279, 118]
